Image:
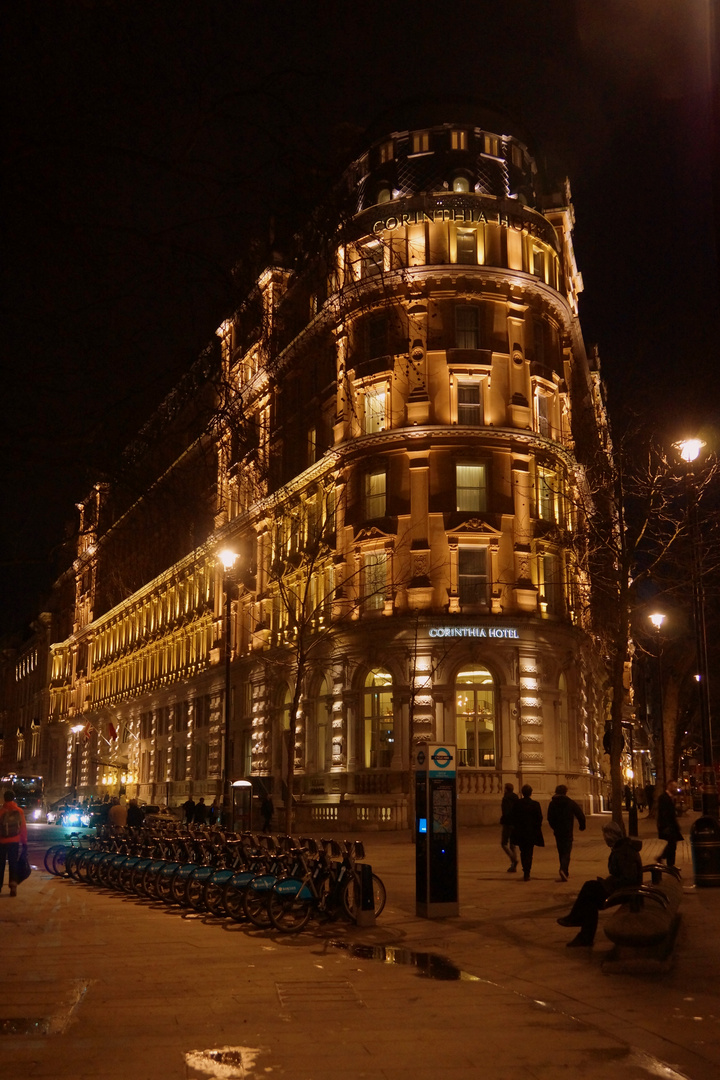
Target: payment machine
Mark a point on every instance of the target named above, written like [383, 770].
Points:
[436, 869]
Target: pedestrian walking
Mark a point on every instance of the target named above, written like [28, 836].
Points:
[214, 811]
[201, 812]
[135, 815]
[649, 797]
[624, 870]
[527, 828]
[562, 814]
[667, 823]
[189, 808]
[510, 797]
[267, 809]
[13, 839]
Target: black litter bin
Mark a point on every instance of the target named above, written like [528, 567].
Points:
[705, 844]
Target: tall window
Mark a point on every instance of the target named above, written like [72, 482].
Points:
[469, 404]
[546, 491]
[323, 718]
[375, 405]
[378, 720]
[471, 487]
[491, 145]
[551, 592]
[542, 412]
[371, 259]
[375, 571]
[475, 717]
[387, 151]
[458, 140]
[466, 327]
[375, 485]
[472, 575]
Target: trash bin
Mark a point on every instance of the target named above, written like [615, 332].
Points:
[705, 845]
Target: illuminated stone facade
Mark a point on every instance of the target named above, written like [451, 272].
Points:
[396, 428]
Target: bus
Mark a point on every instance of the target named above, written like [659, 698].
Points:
[29, 794]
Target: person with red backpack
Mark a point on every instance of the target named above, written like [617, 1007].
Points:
[13, 835]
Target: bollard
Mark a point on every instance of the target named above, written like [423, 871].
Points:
[366, 910]
[705, 844]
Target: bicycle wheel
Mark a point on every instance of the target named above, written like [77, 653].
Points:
[289, 914]
[71, 862]
[164, 888]
[178, 889]
[255, 906]
[59, 861]
[80, 866]
[213, 899]
[234, 902]
[50, 857]
[195, 894]
[352, 896]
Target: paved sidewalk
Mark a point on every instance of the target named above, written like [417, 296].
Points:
[99, 985]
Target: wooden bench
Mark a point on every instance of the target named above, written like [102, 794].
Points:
[644, 927]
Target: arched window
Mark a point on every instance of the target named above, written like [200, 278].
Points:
[475, 717]
[322, 724]
[378, 735]
[461, 183]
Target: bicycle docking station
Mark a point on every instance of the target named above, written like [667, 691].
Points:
[436, 866]
[366, 912]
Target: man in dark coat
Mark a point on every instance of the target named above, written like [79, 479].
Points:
[527, 828]
[201, 812]
[667, 823]
[189, 808]
[624, 869]
[506, 816]
[561, 816]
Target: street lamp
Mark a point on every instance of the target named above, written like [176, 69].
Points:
[228, 559]
[689, 450]
[76, 729]
[657, 619]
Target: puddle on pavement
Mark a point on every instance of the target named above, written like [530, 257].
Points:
[25, 1025]
[429, 965]
[223, 1063]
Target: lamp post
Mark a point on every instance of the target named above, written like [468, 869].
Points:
[657, 619]
[689, 450]
[228, 559]
[76, 729]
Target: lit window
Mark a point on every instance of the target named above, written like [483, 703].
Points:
[471, 487]
[312, 446]
[461, 183]
[466, 246]
[472, 576]
[375, 580]
[546, 484]
[371, 259]
[384, 195]
[375, 492]
[458, 140]
[469, 404]
[516, 156]
[491, 145]
[542, 413]
[387, 151]
[466, 327]
[375, 403]
[378, 720]
[475, 717]
[550, 584]
[538, 257]
[420, 142]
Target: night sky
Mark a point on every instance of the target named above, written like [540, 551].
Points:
[154, 151]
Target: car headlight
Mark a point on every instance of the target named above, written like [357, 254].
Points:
[37, 814]
[85, 819]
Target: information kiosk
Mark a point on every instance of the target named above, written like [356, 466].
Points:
[436, 870]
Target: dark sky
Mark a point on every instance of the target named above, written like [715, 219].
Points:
[149, 147]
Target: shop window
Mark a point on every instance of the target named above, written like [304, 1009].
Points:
[375, 494]
[466, 246]
[375, 577]
[475, 718]
[469, 410]
[472, 576]
[378, 742]
[471, 487]
[467, 327]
